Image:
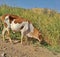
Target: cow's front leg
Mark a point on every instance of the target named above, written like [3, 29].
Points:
[22, 36]
[23, 33]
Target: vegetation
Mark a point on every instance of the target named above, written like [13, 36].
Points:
[46, 20]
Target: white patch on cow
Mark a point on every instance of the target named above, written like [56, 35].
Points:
[6, 17]
[6, 20]
[17, 26]
[31, 28]
[31, 31]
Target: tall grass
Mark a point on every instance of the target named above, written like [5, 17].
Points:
[48, 24]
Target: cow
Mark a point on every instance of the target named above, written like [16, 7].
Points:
[19, 24]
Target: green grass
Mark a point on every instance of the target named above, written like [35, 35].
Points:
[48, 24]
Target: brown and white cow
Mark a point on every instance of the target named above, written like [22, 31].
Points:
[18, 24]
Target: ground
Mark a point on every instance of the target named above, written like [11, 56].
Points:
[8, 49]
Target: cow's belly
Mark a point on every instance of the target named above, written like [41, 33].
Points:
[15, 27]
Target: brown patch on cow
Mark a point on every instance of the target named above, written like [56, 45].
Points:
[11, 17]
[37, 34]
[3, 17]
[19, 20]
[5, 25]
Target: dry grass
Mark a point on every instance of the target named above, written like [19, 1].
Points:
[48, 24]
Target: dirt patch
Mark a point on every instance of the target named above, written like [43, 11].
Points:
[18, 50]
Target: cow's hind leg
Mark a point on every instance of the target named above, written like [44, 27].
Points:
[3, 33]
[8, 34]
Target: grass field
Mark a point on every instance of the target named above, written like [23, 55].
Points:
[47, 21]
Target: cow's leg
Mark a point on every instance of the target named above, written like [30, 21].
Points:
[24, 31]
[22, 36]
[3, 32]
[8, 34]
